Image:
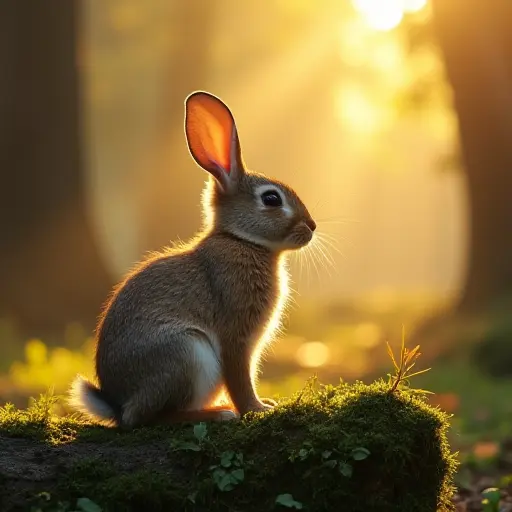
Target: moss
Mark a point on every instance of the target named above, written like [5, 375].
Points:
[351, 447]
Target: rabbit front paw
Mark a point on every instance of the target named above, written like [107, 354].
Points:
[268, 402]
[262, 406]
[227, 415]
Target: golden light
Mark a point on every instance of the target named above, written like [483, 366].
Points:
[367, 335]
[313, 354]
[413, 5]
[355, 111]
[381, 14]
[386, 14]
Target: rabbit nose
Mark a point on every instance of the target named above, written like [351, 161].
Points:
[311, 224]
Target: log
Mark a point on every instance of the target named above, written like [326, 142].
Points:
[352, 447]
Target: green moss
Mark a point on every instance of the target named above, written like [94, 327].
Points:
[351, 447]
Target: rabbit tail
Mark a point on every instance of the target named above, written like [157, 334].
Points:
[91, 401]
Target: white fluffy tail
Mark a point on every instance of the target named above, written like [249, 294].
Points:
[85, 397]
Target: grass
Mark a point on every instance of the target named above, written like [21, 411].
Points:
[482, 411]
[348, 447]
[479, 403]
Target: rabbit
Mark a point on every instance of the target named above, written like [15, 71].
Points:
[192, 321]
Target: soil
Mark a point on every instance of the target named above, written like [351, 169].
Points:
[27, 465]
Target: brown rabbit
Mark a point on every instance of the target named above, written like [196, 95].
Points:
[192, 321]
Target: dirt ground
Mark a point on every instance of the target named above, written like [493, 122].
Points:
[28, 466]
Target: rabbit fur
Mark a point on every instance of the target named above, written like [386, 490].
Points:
[192, 321]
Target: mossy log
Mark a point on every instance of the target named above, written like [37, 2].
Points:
[351, 448]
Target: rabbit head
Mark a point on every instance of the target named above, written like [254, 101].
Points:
[245, 204]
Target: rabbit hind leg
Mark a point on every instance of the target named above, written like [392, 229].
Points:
[207, 404]
[219, 413]
[185, 376]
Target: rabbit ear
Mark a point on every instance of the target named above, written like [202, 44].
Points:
[212, 138]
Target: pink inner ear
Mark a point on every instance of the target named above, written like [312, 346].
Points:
[211, 134]
[225, 168]
[221, 168]
[220, 144]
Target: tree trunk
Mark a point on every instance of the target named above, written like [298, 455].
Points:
[476, 41]
[51, 271]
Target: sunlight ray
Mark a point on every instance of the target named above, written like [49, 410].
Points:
[309, 53]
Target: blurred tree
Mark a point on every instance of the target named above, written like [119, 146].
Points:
[476, 42]
[187, 68]
[51, 271]
[475, 45]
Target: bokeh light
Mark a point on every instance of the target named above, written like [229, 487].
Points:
[386, 14]
[313, 354]
[413, 5]
[381, 14]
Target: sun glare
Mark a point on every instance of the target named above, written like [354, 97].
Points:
[381, 14]
[386, 14]
[413, 5]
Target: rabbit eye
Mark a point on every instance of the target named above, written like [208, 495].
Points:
[271, 198]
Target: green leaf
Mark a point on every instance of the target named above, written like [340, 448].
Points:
[345, 469]
[286, 500]
[227, 480]
[86, 505]
[226, 458]
[192, 497]
[238, 475]
[187, 445]
[226, 483]
[360, 453]
[330, 463]
[491, 501]
[218, 472]
[218, 475]
[303, 453]
[326, 454]
[200, 431]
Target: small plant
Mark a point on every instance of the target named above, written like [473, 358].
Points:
[87, 505]
[330, 459]
[230, 472]
[41, 409]
[227, 474]
[200, 436]
[286, 500]
[491, 500]
[303, 453]
[344, 467]
[406, 363]
[44, 502]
